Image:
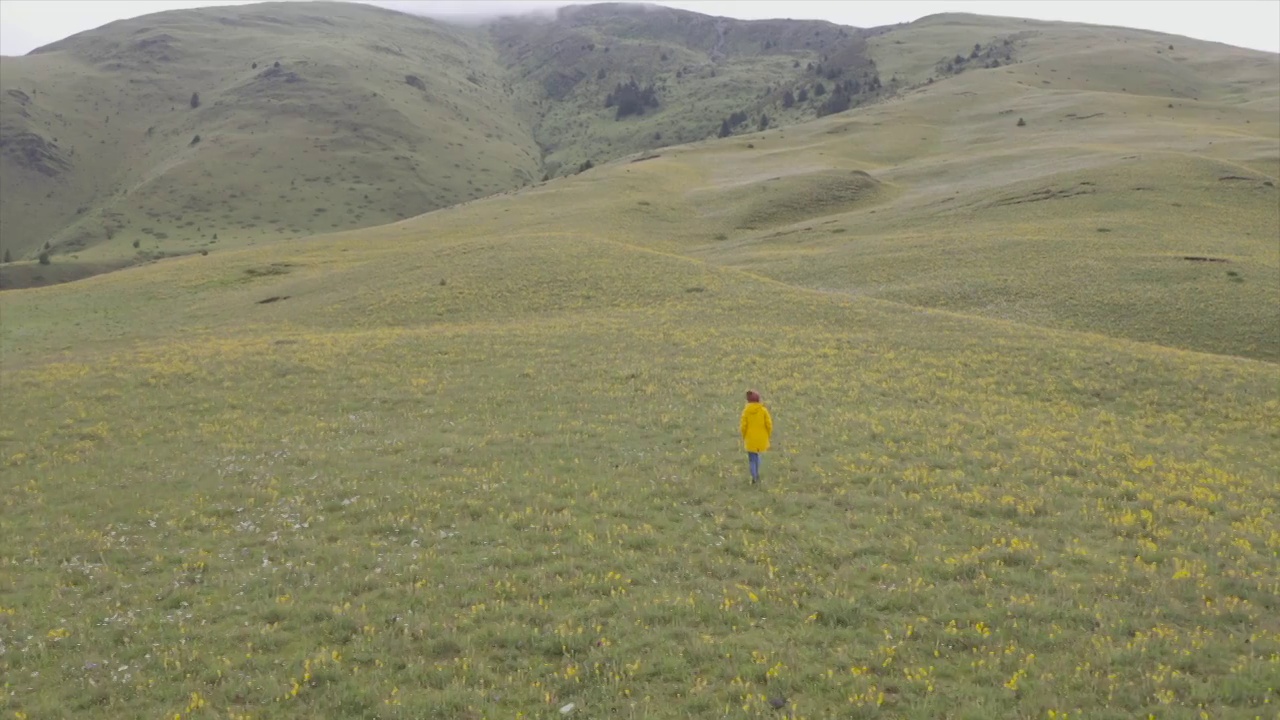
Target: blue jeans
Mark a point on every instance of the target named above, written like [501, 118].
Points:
[753, 459]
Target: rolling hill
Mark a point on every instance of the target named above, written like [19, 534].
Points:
[182, 130]
[588, 70]
[1001, 179]
[484, 461]
[185, 130]
[197, 130]
[1016, 315]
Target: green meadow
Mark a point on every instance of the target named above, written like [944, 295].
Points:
[484, 462]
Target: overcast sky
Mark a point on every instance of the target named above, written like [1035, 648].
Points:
[28, 24]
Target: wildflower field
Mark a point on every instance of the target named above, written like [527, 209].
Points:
[484, 464]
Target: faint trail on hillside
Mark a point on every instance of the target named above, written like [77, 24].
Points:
[904, 306]
[743, 271]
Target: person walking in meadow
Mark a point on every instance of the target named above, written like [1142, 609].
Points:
[757, 426]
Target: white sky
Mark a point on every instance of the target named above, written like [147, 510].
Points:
[27, 24]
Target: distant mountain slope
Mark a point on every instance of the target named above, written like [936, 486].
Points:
[1074, 56]
[315, 117]
[695, 72]
[263, 121]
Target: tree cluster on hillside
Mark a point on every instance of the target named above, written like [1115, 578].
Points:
[833, 67]
[842, 94]
[735, 119]
[837, 102]
[832, 97]
[993, 55]
[631, 99]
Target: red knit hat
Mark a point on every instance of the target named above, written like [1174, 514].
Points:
[753, 396]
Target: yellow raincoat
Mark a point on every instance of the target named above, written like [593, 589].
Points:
[757, 426]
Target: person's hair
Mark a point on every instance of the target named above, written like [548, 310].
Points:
[753, 396]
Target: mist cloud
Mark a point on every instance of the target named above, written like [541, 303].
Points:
[475, 12]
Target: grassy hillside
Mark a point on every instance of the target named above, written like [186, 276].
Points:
[702, 69]
[1072, 56]
[1090, 217]
[373, 116]
[484, 462]
[310, 117]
